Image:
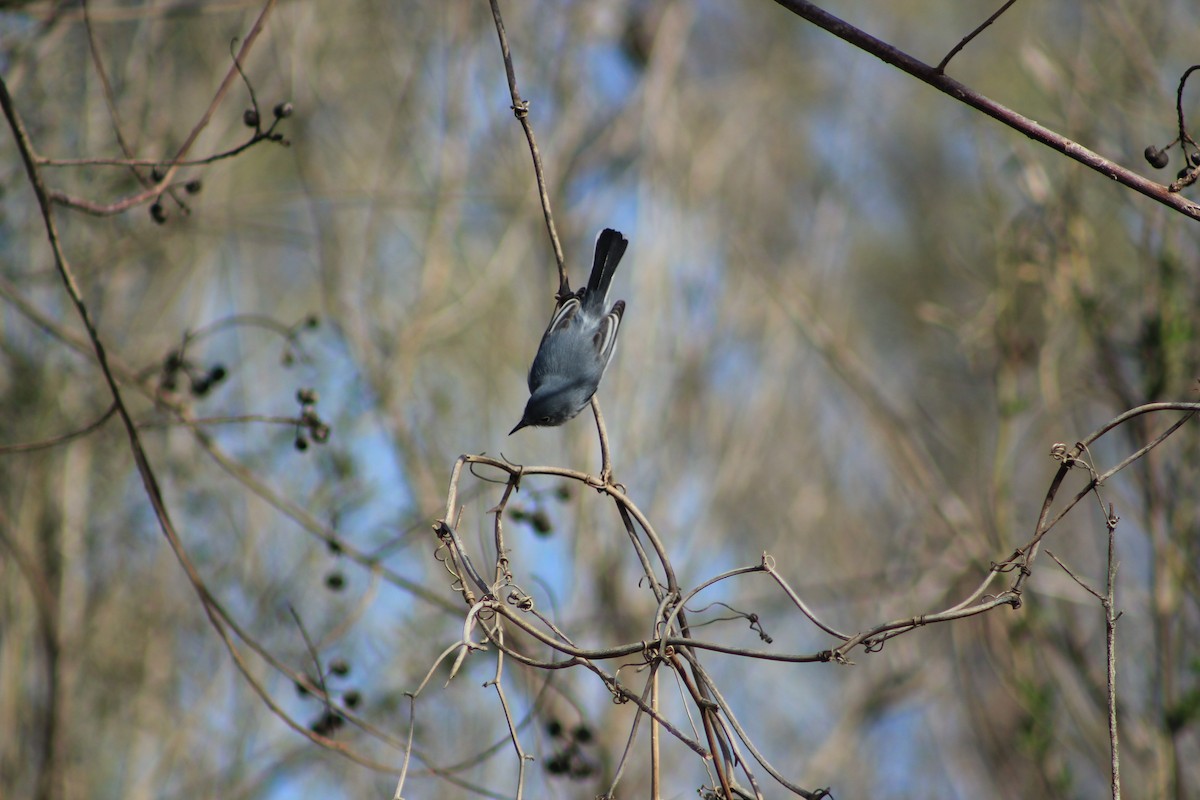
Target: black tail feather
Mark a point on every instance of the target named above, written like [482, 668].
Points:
[610, 246]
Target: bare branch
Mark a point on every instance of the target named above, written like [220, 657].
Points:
[965, 94]
[520, 108]
[1110, 653]
[28, 447]
[941, 67]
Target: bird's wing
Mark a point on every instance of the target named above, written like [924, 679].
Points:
[563, 315]
[605, 338]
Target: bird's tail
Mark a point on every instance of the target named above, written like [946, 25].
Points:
[610, 246]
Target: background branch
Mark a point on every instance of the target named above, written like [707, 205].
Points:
[964, 94]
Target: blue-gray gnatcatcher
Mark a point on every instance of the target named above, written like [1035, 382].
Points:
[577, 345]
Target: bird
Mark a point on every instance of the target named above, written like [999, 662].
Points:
[578, 343]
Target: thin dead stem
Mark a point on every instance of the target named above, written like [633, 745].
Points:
[941, 67]
[671, 638]
[965, 94]
[520, 108]
[605, 455]
[1110, 651]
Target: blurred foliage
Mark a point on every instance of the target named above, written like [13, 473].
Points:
[859, 315]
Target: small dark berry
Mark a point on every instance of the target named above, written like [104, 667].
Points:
[327, 723]
[1182, 173]
[554, 728]
[563, 492]
[335, 581]
[193, 186]
[201, 387]
[351, 698]
[1195, 158]
[339, 667]
[581, 770]
[312, 321]
[250, 118]
[334, 546]
[283, 110]
[158, 213]
[1156, 158]
[320, 433]
[307, 397]
[582, 734]
[301, 689]
[217, 373]
[541, 523]
[156, 174]
[559, 765]
[301, 443]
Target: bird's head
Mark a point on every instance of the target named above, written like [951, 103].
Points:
[553, 405]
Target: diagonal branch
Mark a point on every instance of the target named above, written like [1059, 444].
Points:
[520, 109]
[164, 183]
[965, 94]
[941, 67]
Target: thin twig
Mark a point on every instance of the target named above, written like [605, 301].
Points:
[965, 94]
[722, 731]
[1110, 647]
[110, 98]
[768, 566]
[605, 455]
[1184, 136]
[449, 534]
[29, 447]
[632, 738]
[727, 710]
[412, 728]
[522, 758]
[520, 109]
[721, 767]
[621, 694]
[643, 558]
[108, 209]
[1044, 523]
[1008, 598]
[312, 651]
[1082, 583]
[302, 517]
[502, 571]
[700, 697]
[941, 67]
[218, 617]
[655, 756]
[230, 76]
[165, 183]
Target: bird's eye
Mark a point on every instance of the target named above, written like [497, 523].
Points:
[545, 420]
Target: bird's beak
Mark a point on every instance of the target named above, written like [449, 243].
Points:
[521, 424]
